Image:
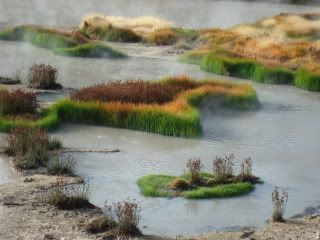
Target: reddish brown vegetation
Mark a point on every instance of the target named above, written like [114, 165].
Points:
[17, 102]
[134, 91]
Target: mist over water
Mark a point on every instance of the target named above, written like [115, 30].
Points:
[282, 137]
[189, 13]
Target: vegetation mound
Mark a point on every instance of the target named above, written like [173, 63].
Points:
[281, 50]
[198, 185]
[171, 109]
[74, 44]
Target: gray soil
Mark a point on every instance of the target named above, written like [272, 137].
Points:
[25, 214]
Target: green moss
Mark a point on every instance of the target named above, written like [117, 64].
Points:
[158, 186]
[90, 50]
[307, 80]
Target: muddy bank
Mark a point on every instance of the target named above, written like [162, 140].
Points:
[25, 214]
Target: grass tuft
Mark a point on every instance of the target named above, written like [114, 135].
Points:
[62, 166]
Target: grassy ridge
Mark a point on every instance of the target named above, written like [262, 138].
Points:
[158, 186]
[90, 50]
[251, 69]
[62, 43]
[179, 117]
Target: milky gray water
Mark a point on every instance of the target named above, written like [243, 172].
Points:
[282, 137]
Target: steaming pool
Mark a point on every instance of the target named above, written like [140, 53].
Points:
[282, 138]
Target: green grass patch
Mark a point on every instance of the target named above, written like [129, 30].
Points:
[307, 80]
[62, 43]
[220, 191]
[251, 69]
[90, 50]
[159, 186]
[156, 185]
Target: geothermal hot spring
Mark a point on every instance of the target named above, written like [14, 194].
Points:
[282, 138]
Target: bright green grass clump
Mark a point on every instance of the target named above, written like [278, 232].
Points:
[156, 185]
[90, 50]
[307, 80]
[220, 191]
[251, 69]
[62, 43]
[159, 186]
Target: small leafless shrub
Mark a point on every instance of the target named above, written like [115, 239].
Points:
[279, 202]
[127, 215]
[43, 76]
[223, 167]
[194, 168]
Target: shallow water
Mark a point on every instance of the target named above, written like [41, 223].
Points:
[282, 138]
[7, 175]
[208, 13]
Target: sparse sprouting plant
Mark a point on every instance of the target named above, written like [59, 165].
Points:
[63, 165]
[68, 198]
[279, 202]
[223, 167]
[194, 167]
[246, 167]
